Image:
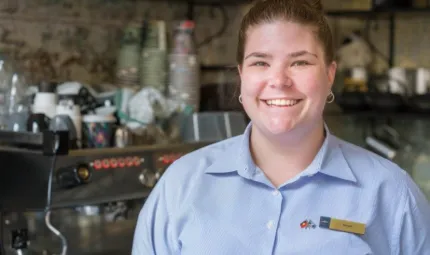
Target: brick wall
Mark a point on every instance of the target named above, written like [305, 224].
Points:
[78, 40]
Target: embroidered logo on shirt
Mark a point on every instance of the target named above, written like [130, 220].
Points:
[307, 224]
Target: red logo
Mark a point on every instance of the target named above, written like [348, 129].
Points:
[307, 224]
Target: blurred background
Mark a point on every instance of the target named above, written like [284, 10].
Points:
[136, 84]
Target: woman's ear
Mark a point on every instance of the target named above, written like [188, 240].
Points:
[331, 72]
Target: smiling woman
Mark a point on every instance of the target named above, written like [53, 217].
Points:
[284, 63]
[286, 186]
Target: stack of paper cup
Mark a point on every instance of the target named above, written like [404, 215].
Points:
[128, 59]
[154, 69]
[153, 65]
[45, 102]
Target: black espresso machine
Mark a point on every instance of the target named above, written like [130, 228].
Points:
[56, 201]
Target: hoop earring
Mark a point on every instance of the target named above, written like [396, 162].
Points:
[330, 97]
[240, 98]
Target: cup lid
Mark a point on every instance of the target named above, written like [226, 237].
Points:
[98, 118]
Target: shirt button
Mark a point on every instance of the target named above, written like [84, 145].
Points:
[270, 224]
[275, 192]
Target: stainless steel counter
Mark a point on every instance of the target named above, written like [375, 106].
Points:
[93, 233]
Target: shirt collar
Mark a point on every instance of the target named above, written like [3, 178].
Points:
[329, 160]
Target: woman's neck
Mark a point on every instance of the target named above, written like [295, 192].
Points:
[282, 158]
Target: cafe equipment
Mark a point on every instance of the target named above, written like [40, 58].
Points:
[75, 201]
[386, 141]
[83, 96]
[390, 4]
[221, 96]
[355, 79]
[385, 101]
[352, 101]
[212, 126]
[419, 103]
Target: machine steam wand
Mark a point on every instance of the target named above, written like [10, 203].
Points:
[48, 202]
[56, 232]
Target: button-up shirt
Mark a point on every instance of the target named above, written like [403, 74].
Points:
[216, 201]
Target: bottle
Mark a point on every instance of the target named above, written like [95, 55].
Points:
[17, 104]
[5, 81]
[184, 68]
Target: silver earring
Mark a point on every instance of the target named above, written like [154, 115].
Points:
[330, 97]
[240, 98]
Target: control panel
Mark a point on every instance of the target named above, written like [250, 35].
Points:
[116, 162]
[94, 176]
[84, 177]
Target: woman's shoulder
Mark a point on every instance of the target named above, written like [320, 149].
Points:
[178, 181]
[193, 164]
[373, 171]
[205, 156]
[364, 161]
[397, 203]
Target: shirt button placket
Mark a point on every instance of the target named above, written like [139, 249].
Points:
[273, 222]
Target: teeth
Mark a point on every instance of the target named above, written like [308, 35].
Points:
[282, 102]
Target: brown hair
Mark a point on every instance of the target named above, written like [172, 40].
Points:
[305, 12]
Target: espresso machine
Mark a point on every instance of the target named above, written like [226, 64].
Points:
[59, 201]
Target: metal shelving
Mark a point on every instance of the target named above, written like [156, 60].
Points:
[379, 114]
[375, 13]
[381, 13]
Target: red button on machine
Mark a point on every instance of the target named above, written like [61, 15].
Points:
[136, 161]
[97, 164]
[117, 162]
[121, 162]
[106, 163]
[129, 161]
[113, 162]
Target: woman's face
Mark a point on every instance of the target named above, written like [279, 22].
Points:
[285, 80]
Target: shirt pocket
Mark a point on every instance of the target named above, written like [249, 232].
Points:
[337, 243]
[345, 243]
[358, 246]
[209, 238]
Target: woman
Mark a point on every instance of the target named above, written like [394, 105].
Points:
[286, 186]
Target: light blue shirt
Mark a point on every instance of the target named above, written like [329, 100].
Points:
[215, 201]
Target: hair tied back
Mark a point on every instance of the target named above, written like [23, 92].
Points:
[315, 4]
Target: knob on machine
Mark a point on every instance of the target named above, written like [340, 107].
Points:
[148, 178]
[69, 177]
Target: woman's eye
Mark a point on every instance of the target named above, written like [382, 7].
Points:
[259, 63]
[300, 63]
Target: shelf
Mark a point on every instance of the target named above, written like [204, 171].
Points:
[379, 114]
[222, 2]
[364, 13]
[215, 68]
[43, 141]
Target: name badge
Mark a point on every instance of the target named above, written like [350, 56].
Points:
[342, 225]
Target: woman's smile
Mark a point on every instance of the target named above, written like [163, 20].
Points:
[282, 102]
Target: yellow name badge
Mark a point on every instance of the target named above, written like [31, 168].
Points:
[342, 225]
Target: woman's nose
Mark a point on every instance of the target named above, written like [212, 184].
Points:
[280, 78]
